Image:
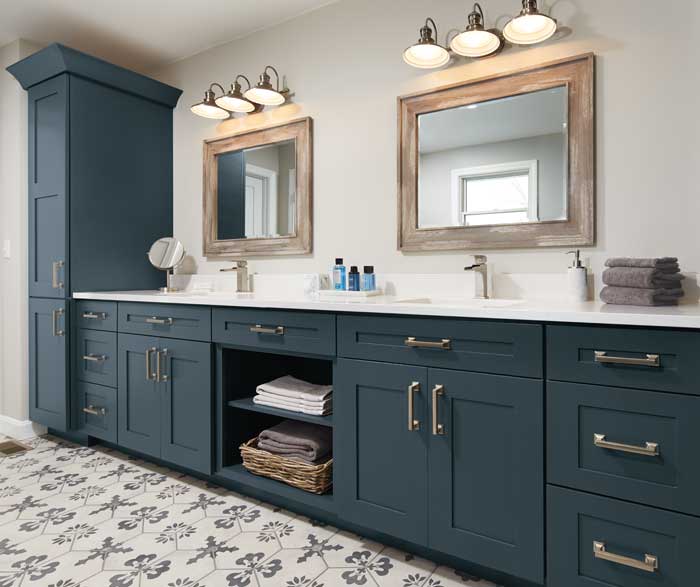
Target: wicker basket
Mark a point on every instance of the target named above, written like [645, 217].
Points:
[312, 478]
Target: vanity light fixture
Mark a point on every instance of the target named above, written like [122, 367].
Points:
[233, 100]
[530, 26]
[475, 41]
[263, 92]
[208, 107]
[427, 53]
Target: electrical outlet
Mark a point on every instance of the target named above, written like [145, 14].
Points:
[6, 249]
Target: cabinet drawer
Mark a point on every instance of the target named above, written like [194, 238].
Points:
[96, 357]
[170, 320]
[489, 347]
[640, 446]
[96, 315]
[627, 536]
[276, 330]
[97, 410]
[660, 360]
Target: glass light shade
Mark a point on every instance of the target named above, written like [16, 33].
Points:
[476, 43]
[426, 55]
[264, 96]
[235, 104]
[528, 29]
[209, 111]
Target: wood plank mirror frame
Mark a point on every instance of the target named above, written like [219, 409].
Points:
[576, 74]
[296, 237]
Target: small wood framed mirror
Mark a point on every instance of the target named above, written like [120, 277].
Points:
[501, 162]
[258, 192]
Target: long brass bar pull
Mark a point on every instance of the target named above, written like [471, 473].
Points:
[438, 428]
[647, 361]
[94, 411]
[55, 266]
[95, 358]
[258, 328]
[150, 376]
[413, 424]
[55, 316]
[650, 564]
[95, 315]
[650, 449]
[161, 359]
[157, 320]
[444, 345]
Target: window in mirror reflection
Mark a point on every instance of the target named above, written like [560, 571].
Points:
[498, 162]
[256, 192]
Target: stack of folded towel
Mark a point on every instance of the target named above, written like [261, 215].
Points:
[295, 395]
[642, 282]
[298, 440]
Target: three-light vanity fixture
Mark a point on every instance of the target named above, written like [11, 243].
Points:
[254, 99]
[528, 28]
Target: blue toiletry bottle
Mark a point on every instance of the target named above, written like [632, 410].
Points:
[354, 279]
[339, 276]
[369, 282]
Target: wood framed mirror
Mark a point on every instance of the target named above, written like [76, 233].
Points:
[258, 192]
[506, 161]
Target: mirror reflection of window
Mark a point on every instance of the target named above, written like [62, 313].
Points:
[499, 162]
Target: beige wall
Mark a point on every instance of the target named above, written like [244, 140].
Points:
[13, 227]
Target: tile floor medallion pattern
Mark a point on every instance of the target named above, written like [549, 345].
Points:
[72, 516]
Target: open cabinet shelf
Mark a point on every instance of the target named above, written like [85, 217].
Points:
[248, 404]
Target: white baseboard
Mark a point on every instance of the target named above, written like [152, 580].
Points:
[20, 429]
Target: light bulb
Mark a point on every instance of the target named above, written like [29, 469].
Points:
[476, 43]
[264, 96]
[426, 55]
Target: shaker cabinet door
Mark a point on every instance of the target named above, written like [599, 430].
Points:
[380, 464]
[138, 397]
[48, 360]
[486, 470]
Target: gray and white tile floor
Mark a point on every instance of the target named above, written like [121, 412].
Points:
[72, 516]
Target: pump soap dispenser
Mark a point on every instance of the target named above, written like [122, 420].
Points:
[577, 279]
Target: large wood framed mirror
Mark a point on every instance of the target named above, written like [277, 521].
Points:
[258, 192]
[501, 162]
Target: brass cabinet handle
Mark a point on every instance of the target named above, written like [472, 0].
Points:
[95, 315]
[650, 564]
[413, 424]
[150, 376]
[157, 320]
[94, 411]
[55, 315]
[55, 283]
[445, 344]
[650, 449]
[95, 358]
[648, 361]
[277, 330]
[438, 429]
[160, 376]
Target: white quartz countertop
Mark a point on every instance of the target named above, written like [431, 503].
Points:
[683, 316]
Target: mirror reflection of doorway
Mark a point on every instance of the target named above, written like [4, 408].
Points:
[260, 202]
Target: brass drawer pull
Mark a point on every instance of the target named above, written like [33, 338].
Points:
[650, 564]
[156, 320]
[55, 283]
[161, 359]
[150, 375]
[445, 344]
[95, 315]
[413, 424]
[95, 358]
[650, 449]
[277, 330]
[648, 361]
[438, 429]
[93, 411]
[55, 315]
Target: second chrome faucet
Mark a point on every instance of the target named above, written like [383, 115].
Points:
[481, 281]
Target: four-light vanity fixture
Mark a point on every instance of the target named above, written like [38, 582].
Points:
[254, 99]
[528, 28]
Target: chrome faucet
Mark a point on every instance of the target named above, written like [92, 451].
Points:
[481, 283]
[242, 282]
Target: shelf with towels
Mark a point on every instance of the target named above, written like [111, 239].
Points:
[248, 404]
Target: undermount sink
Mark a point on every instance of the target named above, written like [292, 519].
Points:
[469, 303]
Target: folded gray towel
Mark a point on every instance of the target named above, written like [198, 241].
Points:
[641, 277]
[308, 442]
[657, 263]
[637, 296]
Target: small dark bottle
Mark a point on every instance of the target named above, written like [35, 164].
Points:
[354, 279]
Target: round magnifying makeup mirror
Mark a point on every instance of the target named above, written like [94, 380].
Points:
[166, 254]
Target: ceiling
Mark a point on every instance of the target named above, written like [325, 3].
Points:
[143, 34]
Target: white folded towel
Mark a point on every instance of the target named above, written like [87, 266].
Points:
[296, 402]
[292, 407]
[293, 388]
